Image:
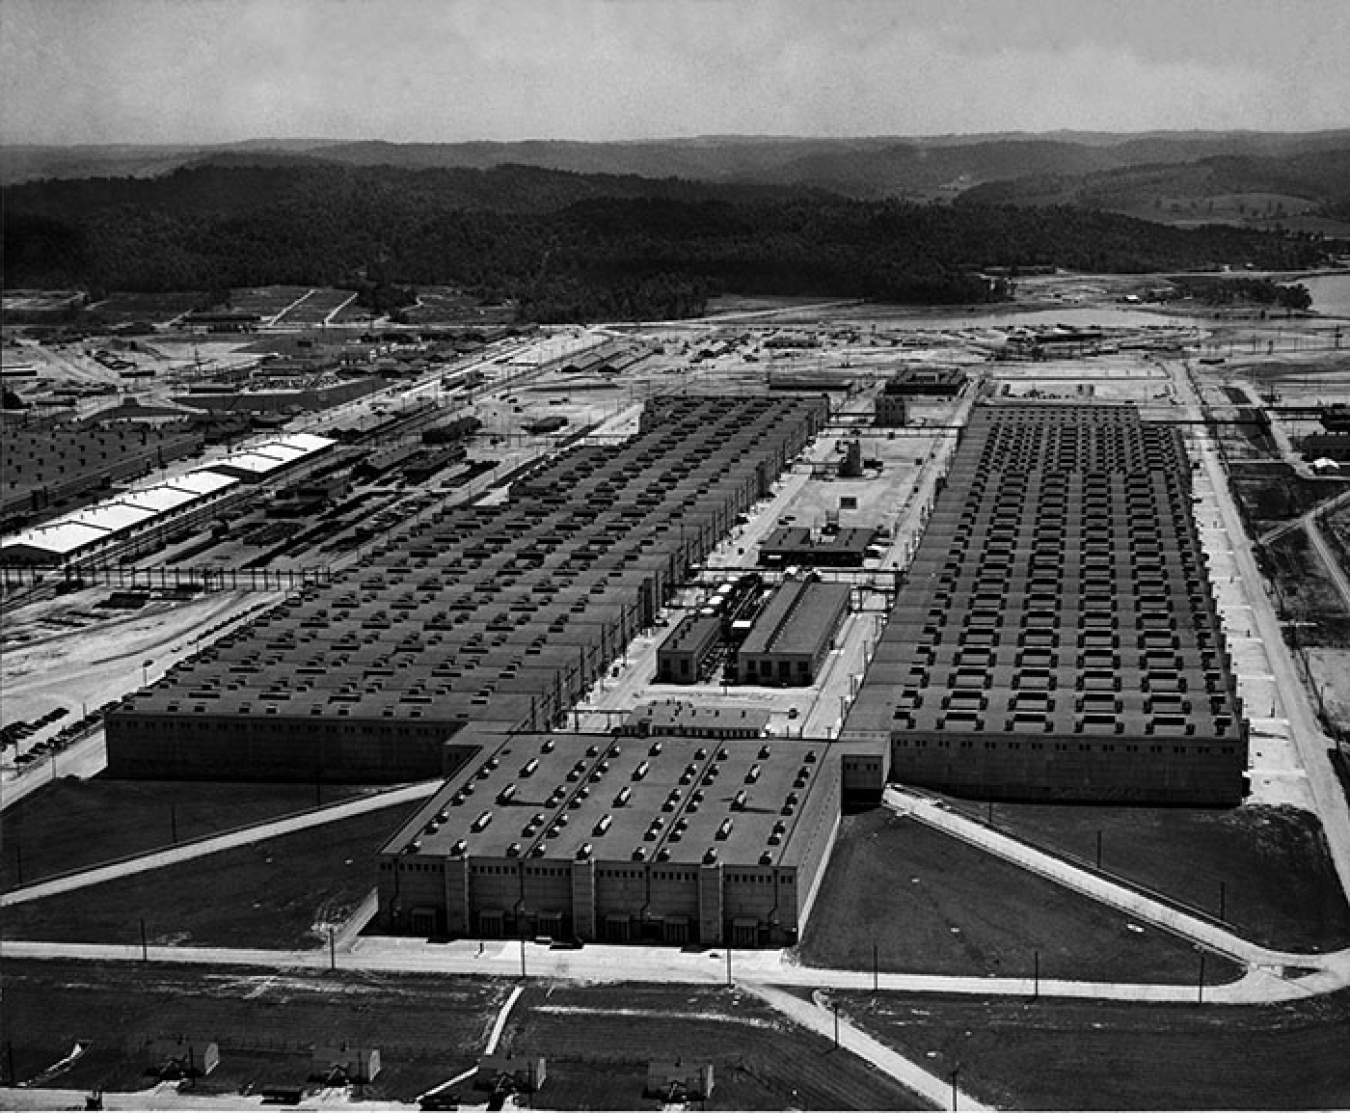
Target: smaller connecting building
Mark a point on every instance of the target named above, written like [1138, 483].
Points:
[797, 545]
[678, 718]
[605, 839]
[684, 656]
[891, 409]
[939, 382]
[792, 635]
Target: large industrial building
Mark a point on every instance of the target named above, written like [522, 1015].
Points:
[619, 839]
[500, 616]
[45, 468]
[1055, 637]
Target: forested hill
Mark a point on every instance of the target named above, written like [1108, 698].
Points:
[566, 246]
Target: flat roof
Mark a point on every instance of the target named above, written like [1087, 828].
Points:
[113, 516]
[548, 796]
[202, 482]
[1060, 589]
[797, 619]
[59, 538]
[252, 463]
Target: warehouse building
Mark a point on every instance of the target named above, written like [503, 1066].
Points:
[792, 635]
[136, 521]
[1055, 637]
[43, 469]
[499, 616]
[617, 840]
[684, 656]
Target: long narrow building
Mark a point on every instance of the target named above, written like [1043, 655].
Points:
[1056, 637]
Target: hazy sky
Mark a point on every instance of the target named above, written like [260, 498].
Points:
[167, 71]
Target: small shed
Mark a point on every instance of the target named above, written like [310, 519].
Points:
[170, 1059]
[523, 1073]
[338, 1065]
[677, 1081]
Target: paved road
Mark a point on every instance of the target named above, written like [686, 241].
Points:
[664, 966]
[213, 845]
[1312, 746]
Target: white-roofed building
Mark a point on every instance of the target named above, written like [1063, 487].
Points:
[145, 514]
[251, 467]
[202, 482]
[51, 544]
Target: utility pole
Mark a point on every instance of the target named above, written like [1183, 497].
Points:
[1200, 985]
[1036, 975]
[835, 1004]
[145, 949]
[955, 1073]
[332, 949]
[728, 967]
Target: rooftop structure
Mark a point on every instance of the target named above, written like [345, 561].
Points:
[1055, 636]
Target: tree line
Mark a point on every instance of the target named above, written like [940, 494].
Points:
[568, 246]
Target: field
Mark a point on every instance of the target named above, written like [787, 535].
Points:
[428, 1028]
[72, 824]
[1305, 593]
[266, 301]
[1269, 494]
[119, 309]
[1123, 1055]
[598, 1041]
[931, 904]
[276, 893]
[1279, 886]
[442, 305]
[315, 308]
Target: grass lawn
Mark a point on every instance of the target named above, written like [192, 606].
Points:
[72, 824]
[1279, 886]
[931, 904]
[1123, 1055]
[428, 1028]
[267, 894]
[598, 1041]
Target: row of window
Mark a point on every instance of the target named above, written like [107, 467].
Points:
[1110, 747]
